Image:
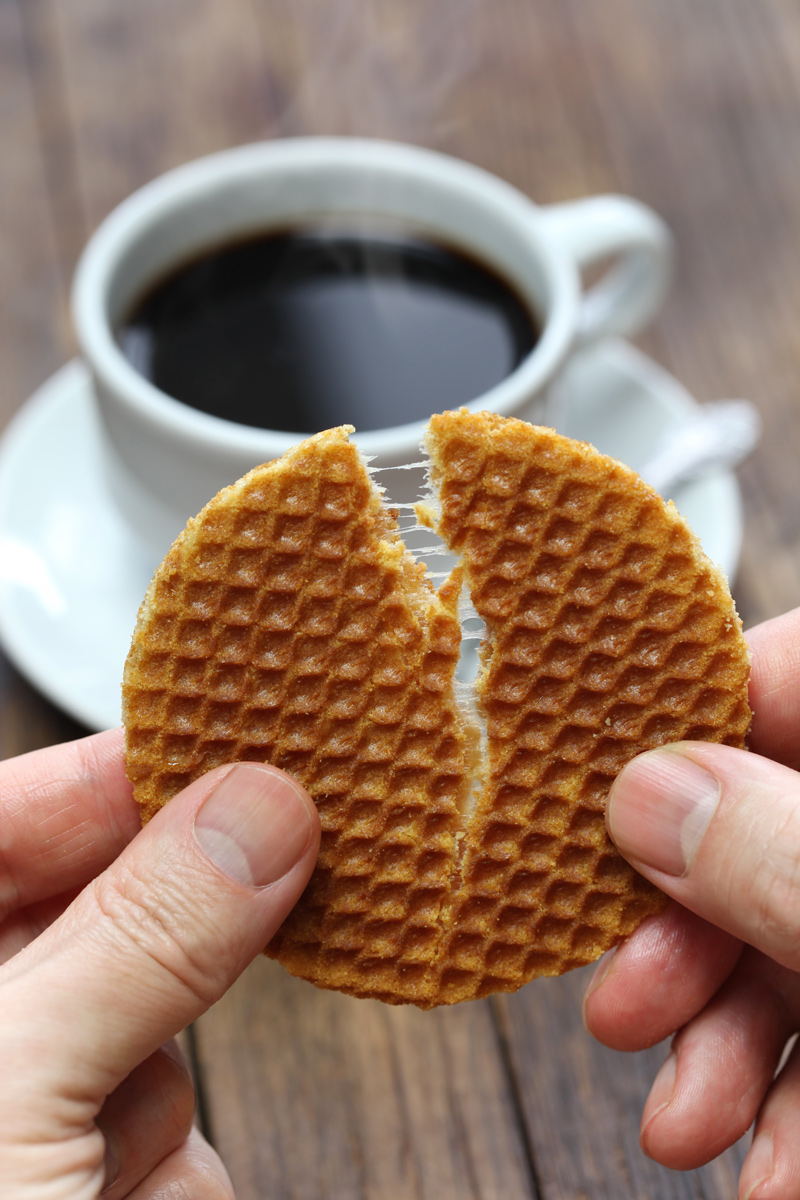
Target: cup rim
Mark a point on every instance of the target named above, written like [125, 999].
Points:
[119, 231]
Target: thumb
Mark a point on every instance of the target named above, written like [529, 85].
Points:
[718, 829]
[159, 936]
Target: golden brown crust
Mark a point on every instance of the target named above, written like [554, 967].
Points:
[609, 633]
[288, 624]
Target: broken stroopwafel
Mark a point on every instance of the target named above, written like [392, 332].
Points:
[463, 850]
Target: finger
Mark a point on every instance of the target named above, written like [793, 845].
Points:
[66, 813]
[194, 1169]
[25, 924]
[775, 688]
[147, 1117]
[710, 1088]
[658, 979]
[157, 938]
[718, 829]
[771, 1170]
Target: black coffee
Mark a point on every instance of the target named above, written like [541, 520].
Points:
[304, 330]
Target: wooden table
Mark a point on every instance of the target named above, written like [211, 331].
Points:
[691, 105]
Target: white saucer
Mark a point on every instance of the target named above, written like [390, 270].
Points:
[72, 575]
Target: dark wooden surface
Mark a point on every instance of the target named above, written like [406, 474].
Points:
[691, 105]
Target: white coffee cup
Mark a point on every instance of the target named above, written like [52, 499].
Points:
[165, 459]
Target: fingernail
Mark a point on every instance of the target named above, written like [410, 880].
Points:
[660, 1095]
[255, 825]
[760, 1162]
[659, 808]
[599, 976]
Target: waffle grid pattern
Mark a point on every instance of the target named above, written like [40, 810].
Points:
[288, 624]
[609, 633]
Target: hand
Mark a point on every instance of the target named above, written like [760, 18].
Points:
[94, 981]
[718, 829]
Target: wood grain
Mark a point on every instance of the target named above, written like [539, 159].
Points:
[309, 1093]
[32, 294]
[581, 1104]
[692, 106]
[33, 340]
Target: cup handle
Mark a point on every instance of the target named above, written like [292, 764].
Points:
[634, 287]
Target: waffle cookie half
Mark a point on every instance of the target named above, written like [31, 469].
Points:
[463, 851]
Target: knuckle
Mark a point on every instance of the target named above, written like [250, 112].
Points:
[774, 892]
[160, 928]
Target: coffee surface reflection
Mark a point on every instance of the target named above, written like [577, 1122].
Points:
[303, 330]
